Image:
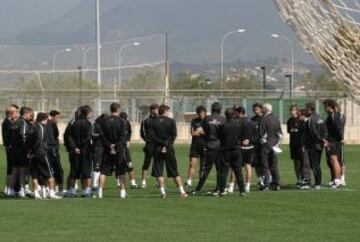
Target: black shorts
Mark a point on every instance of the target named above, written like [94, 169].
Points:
[81, 165]
[41, 168]
[168, 159]
[98, 157]
[197, 151]
[113, 163]
[19, 157]
[247, 156]
[149, 151]
[54, 157]
[295, 151]
[334, 148]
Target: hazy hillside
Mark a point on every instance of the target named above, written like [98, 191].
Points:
[195, 27]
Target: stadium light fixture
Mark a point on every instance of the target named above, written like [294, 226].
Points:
[277, 36]
[238, 31]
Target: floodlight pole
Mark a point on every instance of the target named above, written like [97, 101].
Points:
[98, 53]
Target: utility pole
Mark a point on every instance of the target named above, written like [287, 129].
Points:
[263, 68]
[98, 53]
[80, 85]
[167, 70]
[291, 83]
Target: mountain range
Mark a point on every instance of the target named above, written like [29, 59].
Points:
[195, 27]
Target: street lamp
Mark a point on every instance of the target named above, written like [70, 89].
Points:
[122, 49]
[276, 36]
[222, 52]
[55, 56]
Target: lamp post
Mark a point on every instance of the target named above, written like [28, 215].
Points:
[263, 68]
[122, 49]
[98, 52]
[222, 52]
[54, 59]
[292, 59]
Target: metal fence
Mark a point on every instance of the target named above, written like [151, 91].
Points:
[182, 102]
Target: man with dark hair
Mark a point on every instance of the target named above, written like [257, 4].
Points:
[256, 119]
[212, 126]
[41, 168]
[52, 140]
[127, 156]
[247, 134]
[333, 142]
[270, 137]
[79, 141]
[20, 148]
[293, 129]
[114, 138]
[12, 114]
[146, 134]
[197, 148]
[230, 141]
[164, 135]
[315, 134]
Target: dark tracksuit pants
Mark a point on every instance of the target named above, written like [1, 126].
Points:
[212, 156]
[231, 159]
[149, 151]
[314, 152]
[54, 157]
[269, 162]
[305, 167]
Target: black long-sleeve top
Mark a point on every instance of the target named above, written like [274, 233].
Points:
[256, 121]
[6, 131]
[52, 134]
[164, 131]
[294, 128]
[80, 134]
[315, 130]
[212, 126]
[230, 135]
[147, 128]
[128, 130]
[20, 134]
[270, 130]
[335, 127]
[39, 145]
[67, 135]
[248, 131]
[114, 129]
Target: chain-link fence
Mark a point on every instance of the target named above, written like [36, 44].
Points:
[182, 102]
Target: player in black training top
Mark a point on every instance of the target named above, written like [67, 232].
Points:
[197, 148]
[12, 114]
[248, 138]
[127, 156]
[230, 141]
[52, 139]
[256, 119]
[41, 166]
[149, 148]
[114, 138]
[315, 135]
[21, 130]
[294, 130]
[212, 126]
[164, 135]
[98, 149]
[334, 141]
[79, 142]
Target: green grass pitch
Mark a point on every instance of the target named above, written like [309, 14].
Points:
[288, 215]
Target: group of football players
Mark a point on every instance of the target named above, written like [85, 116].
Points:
[232, 142]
